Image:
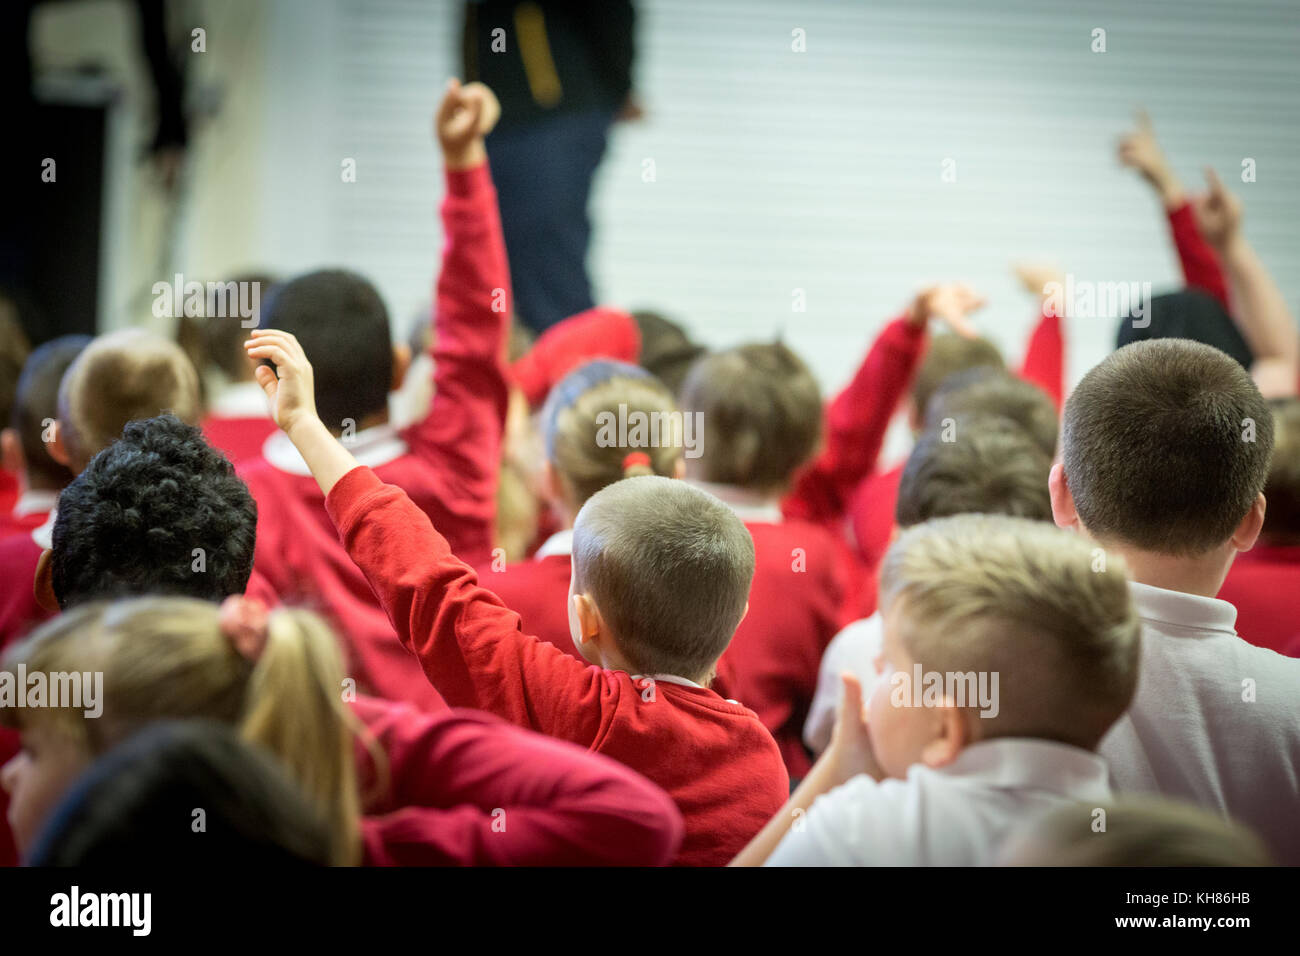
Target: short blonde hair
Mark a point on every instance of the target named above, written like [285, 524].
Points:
[1044, 608]
[118, 378]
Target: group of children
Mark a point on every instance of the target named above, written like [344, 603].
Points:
[610, 598]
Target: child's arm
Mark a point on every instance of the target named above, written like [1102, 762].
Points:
[469, 644]
[849, 754]
[472, 791]
[1262, 314]
[858, 419]
[461, 434]
[1044, 363]
[597, 333]
[1200, 263]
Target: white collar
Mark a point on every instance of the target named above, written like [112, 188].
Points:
[44, 535]
[243, 400]
[668, 679]
[560, 543]
[747, 505]
[372, 447]
[1032, 763]
[1177, 608]
[33, 502]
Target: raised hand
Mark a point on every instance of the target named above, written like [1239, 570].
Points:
[288, 387]
[1217, 211]
[1141, 150]
[951, 302]
[850, 751]
[465, 116]
[1036, 277]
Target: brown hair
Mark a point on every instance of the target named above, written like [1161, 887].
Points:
[986, 391]
[761, 415]
[168, 657]
[1041, 607]
[984, 464]
[1166, 445]
[669, 567]
[1282, 489]
[946, 355]
[118, 378]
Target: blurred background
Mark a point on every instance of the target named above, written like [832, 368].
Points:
[789, 154]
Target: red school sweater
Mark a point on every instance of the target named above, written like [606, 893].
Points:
[447, 462]
[1262, 585]
[538, 591]
[467, 789]
[714, 758]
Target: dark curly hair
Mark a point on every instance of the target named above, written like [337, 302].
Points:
[160, 511]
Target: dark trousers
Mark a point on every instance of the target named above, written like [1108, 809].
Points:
[543, 174]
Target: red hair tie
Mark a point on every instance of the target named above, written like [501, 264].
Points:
[636, 458]
[244, 623]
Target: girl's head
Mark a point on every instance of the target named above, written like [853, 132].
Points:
[277, 678]
[603, 422]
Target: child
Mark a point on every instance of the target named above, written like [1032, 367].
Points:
[990, 392]
[986, 464]
[277, 678]
[580, 463]
[115, 379]
[448, 461]
[26, 451]
[1263, 582]
[661, 572]
[1165, 451]
[945, 773]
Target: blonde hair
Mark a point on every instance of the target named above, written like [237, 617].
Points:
[584, 461]
[1044, 608]
[168, 658]
[118, 378]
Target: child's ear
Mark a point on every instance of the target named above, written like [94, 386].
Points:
[1063, 512]
[58, 448]
[1243, 539]
[953, 736]
[43, 585]
[401, 365]
[587, 619]
[11, 452]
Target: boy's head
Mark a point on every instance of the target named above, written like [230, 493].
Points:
[1188, 314]
[342, 324]
[947, 355]
[667, 352]
[223, 336]
[1165, 449]
[983, 464]
[988, 391]
[1028, 631]
[36, 406]
[761, 416]
[158, 512]
[1282, 490]
[118, 378]
[661, 577]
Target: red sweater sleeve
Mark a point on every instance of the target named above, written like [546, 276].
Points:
[468, 642]
[461, 434]
[1044, 363]
[597, 333]
[469, 790]
[856, 423]
[1201, 267]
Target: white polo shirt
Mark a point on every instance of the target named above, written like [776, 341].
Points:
[1216, 720]
[958, 815]
[855, 650]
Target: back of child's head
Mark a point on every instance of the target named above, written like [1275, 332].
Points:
[1037, 606]
[160, 511]
[983, 464]
[275, 677]
[342, 324]
[138, 801]
[1282, 489]
[36, 406]
[946, 355]
[667, 352]
[760, 412]
[669, 568]
[1166, 446]
[989, 391]
[1187, 314]
[222, 337]
[118, 378]
[600, 414]
[1135, 831]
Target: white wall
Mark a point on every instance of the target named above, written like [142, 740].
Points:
[820, 170]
